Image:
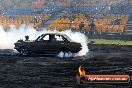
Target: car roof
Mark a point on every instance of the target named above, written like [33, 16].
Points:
[58, 34]
[54, 34]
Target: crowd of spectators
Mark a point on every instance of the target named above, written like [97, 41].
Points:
[103, 15]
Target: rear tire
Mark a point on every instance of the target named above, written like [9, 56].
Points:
[65, 53]
[24, 51]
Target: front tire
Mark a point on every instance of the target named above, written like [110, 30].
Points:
[24, 51]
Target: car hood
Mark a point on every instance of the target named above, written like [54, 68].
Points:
[25, 41]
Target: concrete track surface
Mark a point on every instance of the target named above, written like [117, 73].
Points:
[39, 71]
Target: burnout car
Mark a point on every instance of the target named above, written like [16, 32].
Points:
[50, 43]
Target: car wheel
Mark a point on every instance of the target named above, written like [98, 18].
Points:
[65, 53]
[24, 51]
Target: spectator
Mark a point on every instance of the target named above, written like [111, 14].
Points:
[117, 21]
[81, 27]
[22, 22]
[71, 25]
[34, 20]
[92, 26]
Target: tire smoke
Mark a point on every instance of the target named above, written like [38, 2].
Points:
[12, 35]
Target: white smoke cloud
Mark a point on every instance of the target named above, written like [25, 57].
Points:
[12, 35]
[79, 38]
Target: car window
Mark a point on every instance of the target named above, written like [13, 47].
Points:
[46, 37]
[59, 38]
[43, 38]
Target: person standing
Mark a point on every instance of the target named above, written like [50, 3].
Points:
[92, 27]
[81, 27]
[71, 25]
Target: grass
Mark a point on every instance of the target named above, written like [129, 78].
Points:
[105, 41]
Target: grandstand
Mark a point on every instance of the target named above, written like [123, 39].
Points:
[108, 24]
[102, 24]
[109, 16]
[34, 20]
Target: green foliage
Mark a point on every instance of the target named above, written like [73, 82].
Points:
[117, 42]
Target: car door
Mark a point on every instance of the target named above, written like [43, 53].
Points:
[55, 46]
[52, 45]
[41, 46]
